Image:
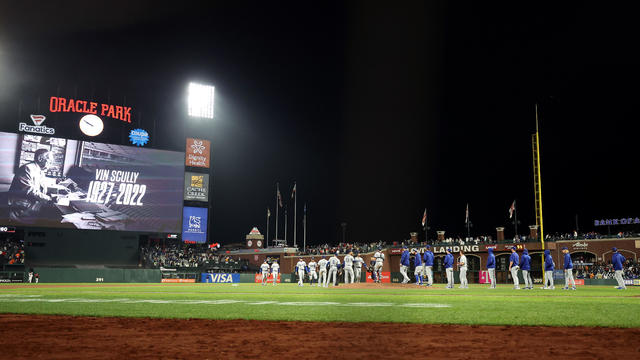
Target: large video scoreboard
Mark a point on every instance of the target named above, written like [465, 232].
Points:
[55, 182]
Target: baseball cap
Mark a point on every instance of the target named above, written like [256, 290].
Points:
[614, 249]
[564, 248]
[404, 246]
[514, 248]
[428, 246]
[448, 250]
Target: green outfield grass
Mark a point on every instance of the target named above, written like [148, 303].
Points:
[588, 306]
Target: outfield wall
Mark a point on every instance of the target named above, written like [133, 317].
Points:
[74, 275]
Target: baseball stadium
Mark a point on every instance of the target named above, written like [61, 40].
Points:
[222, 181]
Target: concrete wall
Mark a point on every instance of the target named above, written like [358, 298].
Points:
[73, 275]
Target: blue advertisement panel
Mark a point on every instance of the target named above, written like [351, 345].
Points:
[194, 224]
[220, 278]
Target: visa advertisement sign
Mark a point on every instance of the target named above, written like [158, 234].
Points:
[194, 224]
[220, 278]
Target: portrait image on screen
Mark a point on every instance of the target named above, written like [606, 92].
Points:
[55, 182]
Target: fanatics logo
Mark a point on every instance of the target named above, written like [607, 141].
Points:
[38, 119]
[38, 128]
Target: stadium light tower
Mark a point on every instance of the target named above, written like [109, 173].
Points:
[200, 100]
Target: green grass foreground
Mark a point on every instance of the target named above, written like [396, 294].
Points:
[588, 306]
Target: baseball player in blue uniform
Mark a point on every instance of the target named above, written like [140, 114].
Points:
[404, 264]
[418, 270]
[568, 270]
[514, 260]
[491, 268]
[549, 266]
[428, 265]
[372, 264]
[525, 266]
[448, 267]
[618, 260]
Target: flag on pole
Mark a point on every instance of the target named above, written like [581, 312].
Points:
[293, 192]
[466, 219]
[279, 196]
[424, 217]
[512, 209]
[268, 212]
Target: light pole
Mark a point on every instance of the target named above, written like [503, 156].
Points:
[200, 104]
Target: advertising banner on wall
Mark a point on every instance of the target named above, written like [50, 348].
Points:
[194, 224]
[258, 278]
[484, 277]
[219, 278]
[76, 118]
[197, 153]
[196, 186]
[386, 277]
[178, 280]
[56, 182]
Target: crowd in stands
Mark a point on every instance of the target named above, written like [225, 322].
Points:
[342, 248]
[11, 251]
[483, 239]
[601, 270]
[176, 254]
[589, 235]
[170, 254]
[587, 268]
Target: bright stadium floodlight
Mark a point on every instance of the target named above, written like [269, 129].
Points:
[200, 100]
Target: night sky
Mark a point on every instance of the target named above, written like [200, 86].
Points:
[377, 111]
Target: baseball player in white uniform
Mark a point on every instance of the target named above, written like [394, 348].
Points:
[301, 265]
[265, 272]
[348, 268]
[313, 275]
[322, 272]
[358, 262]
[275, 269]
[334, 262]
[377, 268]
[462, 266]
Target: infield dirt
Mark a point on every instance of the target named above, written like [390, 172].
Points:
[67, 337]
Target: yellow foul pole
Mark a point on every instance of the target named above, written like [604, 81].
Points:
[538, 186]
